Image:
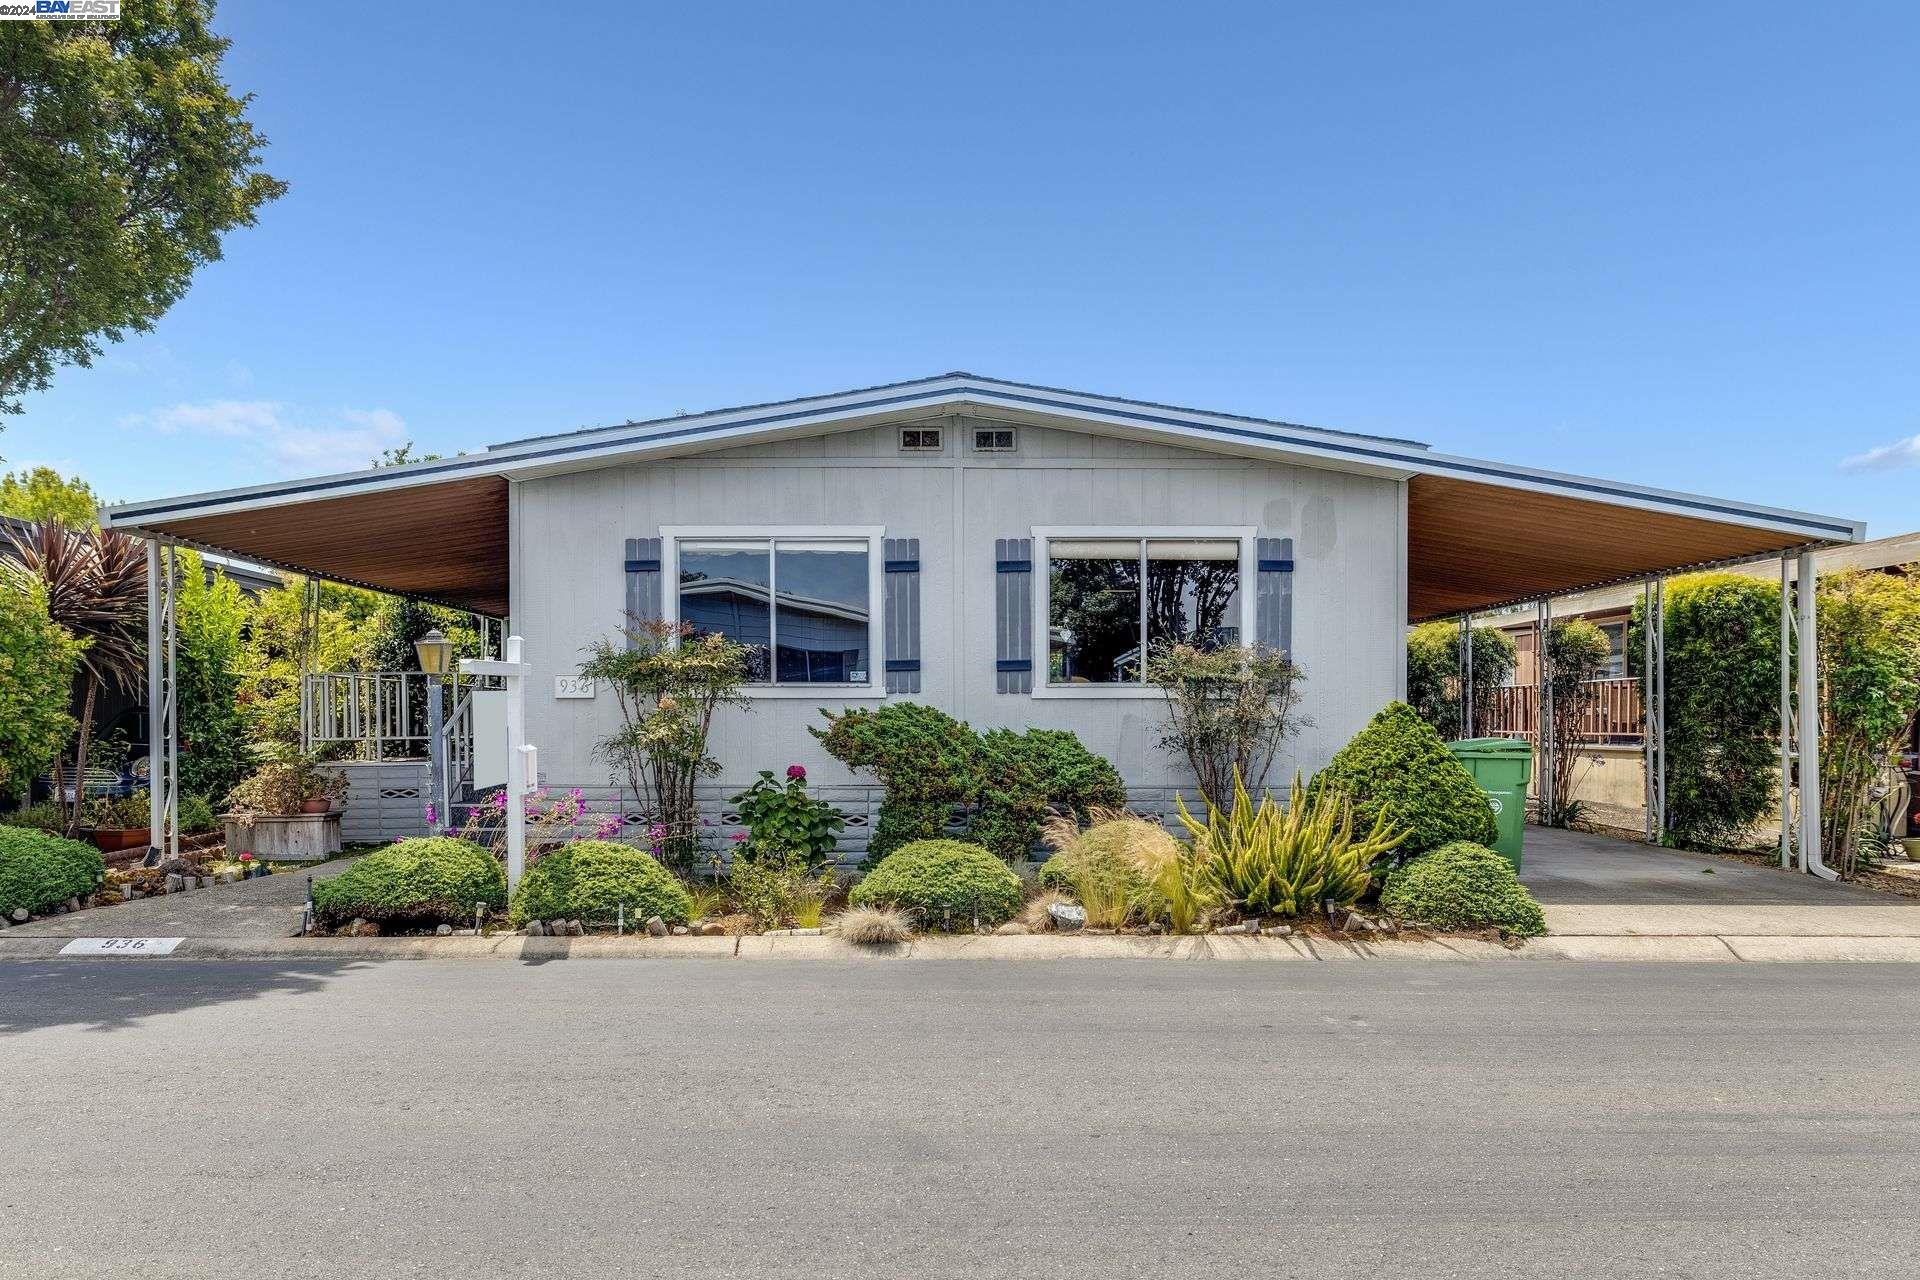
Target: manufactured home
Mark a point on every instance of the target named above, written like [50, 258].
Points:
[1000, 550]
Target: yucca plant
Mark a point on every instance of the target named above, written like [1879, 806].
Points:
[1264, 860]
[96, 586]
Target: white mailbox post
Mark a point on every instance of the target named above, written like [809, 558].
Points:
[522, 765]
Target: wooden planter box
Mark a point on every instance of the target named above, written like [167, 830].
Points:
[294, 837]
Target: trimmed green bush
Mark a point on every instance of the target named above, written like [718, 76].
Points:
[945, 883]
[1463, 886]
[38, 870]
[589, 879]
[1398, 766]
[196, 815]
[927, 761]
[411, 883]
[1026, 776]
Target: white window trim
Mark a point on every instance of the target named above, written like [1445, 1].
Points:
[671, 536]
[1044, 534]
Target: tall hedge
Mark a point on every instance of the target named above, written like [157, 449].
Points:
[1723, 703]
[1433, 674]
[37, 661]
[1398, 766]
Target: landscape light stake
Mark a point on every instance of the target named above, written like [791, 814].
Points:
[477, 909]
[622, 926]
[306, 912]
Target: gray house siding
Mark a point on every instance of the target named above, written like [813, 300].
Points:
[569, 584]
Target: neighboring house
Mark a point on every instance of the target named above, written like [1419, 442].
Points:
[120, 718]
[1613, 735]
[1000, 550]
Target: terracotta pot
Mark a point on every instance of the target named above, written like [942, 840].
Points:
[114, 839]
[315, 806]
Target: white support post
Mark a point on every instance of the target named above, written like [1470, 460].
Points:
[1660, 708]
[1810, 851]
[171, 582]
[156, 802]
[523, 769]
[1786, 716]
[1543, 714]
[1469, 719]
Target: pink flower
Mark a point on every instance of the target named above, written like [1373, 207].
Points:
[433, 816]
[796, 773]
[739, 837]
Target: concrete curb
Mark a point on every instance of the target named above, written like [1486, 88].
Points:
[1688, 949]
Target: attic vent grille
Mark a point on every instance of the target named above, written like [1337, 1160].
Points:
[920, 439]
[993, 440]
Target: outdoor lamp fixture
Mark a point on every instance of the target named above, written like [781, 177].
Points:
[435, 652]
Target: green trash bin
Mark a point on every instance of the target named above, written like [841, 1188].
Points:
[1503, 767]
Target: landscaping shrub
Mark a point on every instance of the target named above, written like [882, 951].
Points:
[945, 883]
[411, 883]
[1723, 703]
[1103, 867]
[39, 870]
[777, 889]
[1463, 885]
[37, 663]
[927, 761]
[1397, 769]
[1433, 674]
[1576, 654]
[1024, 777]
[1229, 710]
[196, 815]
[1263, 860]
[589, 879]
[871, 926]
[783, 818]
[1870, 677]
[44, 816]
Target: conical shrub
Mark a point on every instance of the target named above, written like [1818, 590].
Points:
[1398, 768]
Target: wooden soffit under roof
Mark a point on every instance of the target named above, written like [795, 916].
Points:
[1473, 546]
[441, 542]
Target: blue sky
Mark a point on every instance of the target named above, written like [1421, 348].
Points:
[1672, 244]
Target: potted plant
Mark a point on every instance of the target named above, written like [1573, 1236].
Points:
[116, 823]
[297, 783]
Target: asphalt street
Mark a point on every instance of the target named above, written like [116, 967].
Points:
[711, 1118]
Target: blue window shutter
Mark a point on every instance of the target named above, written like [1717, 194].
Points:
[1013, 615]
[1274, 594]
[643, 585]
[902, 617]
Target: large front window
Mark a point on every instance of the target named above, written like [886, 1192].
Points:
[801, 605]
[1110, 599]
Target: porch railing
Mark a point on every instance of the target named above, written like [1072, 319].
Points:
[1613, 714]
[383, 715]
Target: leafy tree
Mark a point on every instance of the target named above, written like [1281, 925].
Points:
[280, 634]
[212, 620]
[401, 454]
[37, 662]
[1576, 653]
[1433, 673]
[1723, 703]
[1869, 632]
[44, 494]
[124, 158]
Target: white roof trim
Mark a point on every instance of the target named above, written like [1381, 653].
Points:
[953, 392]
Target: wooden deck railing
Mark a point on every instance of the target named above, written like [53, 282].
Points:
[1612, 716]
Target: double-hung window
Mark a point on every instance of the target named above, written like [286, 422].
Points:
[802, 601]
[1109, 596]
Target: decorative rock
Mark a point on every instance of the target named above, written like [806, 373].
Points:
[126, 893]
[656, 927]
[206, 882]
[1245, 926]
[19, 915]
[355, 923]
[575, 930]
[366, 929]
[681, 931]
[1277, 931]
[535, 929]
[1156, 927]
[445, 930]
[713, 929]
[174, 882]
[1067, 916]
[1012, 928]
[1357, 923]
[73, 904]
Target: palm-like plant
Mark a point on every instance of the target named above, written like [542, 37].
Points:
[96, 585]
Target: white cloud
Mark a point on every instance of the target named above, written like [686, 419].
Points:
[1888, 457]
[290, 439]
